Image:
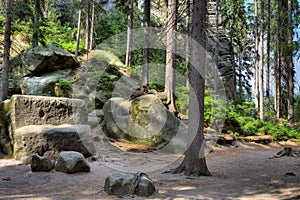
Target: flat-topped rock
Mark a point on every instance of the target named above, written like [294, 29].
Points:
[39, 110]
[48, 140]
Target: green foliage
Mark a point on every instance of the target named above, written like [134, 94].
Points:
[105, 82]
[182, 101]
[64, 85]
[2, 23]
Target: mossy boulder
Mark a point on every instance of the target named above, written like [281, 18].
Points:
[143, 120]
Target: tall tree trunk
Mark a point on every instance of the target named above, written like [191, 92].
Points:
[145, 75]
[87, 25]
[278, 78]
[194, 162]
[35, 36]
[188, 42]
[216, 54]
[129, 32]
[256, 80]
[261, 69]
[170, 57]
[78, 34]
[6, 52]
[91, 42]
[268, 58]
[290, 68]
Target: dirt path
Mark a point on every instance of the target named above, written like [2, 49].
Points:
[246, 172]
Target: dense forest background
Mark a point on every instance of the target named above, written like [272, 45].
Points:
[255, 45]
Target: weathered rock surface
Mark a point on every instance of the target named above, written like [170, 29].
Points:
[48, 125]
[126, 184]
[71, 162]
[48, 58]
[39, 110]
[143, 120]
[44, 84]
[41, 163]
[51, 140]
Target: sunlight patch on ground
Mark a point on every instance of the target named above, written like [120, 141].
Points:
[181, 188]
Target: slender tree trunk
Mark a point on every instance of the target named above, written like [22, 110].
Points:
[261, 69]
[87, 25]
[290, 68]
[92, 27]
[256, 80]
[216, 60]
[278, 78]
[170, 58]
[35, 37]
[6, 52]
[78, 34]
[188, 42]
[145, 75]
[268, 58]
[194, 163]
[129, 33]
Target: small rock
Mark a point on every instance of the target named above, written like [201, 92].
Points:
[41, 164]
[6, 178]
[121, 184]
[290, 174]
[71, 162]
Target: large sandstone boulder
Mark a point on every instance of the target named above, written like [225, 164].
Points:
[71, 162]
[39, 110]
[50, 140]
[48, 125]
[143, 120]
[127, 184]
[45, 59]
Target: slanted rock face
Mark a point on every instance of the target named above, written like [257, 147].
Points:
[48, 58]
[143, 120]
[47, 126]
[71, 162]
[41, 164]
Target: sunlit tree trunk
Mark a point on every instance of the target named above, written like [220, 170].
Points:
[256, 80]
[268, 58]
[87, 25]
[6, 52]
[188, 42]
[278, 62]
[145, 75]
[194, 163]
[78, 34]
[290, 68]
[129, 32]
[216, 54]
[170, 55]
[91, 42]
[261, 69]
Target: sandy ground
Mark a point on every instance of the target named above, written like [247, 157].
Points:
[246, 172]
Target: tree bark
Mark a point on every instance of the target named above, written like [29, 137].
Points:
[129, 32]
[35, 36]
[216, 53]
[78, 34]
[87, 25]
[91, 42]
[188, 42]
[256, 80]
[6, 52]
[194, 163]
[170, 55]
[261, 69]
[268, 58]
[290, 68]
[145, 75]
[278, 62]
